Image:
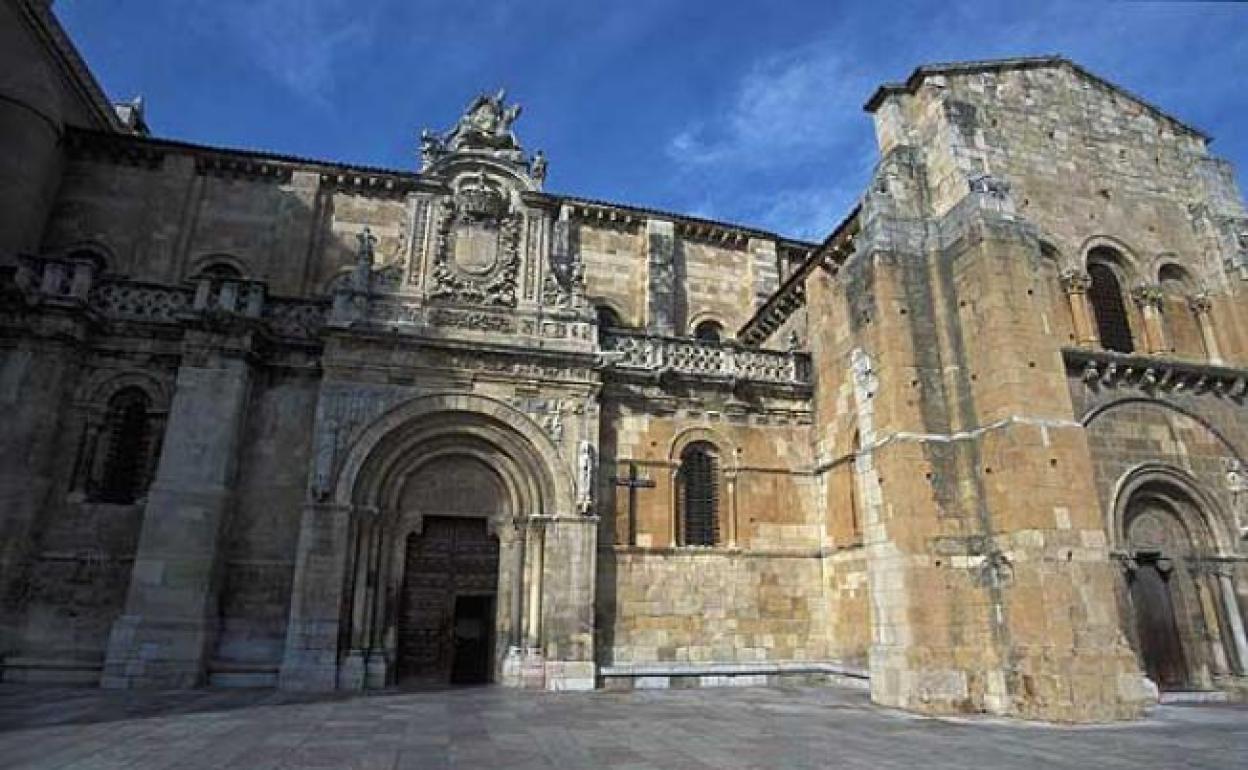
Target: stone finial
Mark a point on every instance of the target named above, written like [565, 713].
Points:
[537, 167]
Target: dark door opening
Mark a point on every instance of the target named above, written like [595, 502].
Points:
[474, 624]
[446, 611]
[1156, 627]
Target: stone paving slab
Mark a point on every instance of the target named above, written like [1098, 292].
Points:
[728, 729]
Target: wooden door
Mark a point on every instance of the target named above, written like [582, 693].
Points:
[1156, 627]
[453, 557]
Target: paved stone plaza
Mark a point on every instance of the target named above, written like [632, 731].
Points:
[500, 728]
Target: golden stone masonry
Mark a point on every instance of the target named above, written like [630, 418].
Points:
[278, 422]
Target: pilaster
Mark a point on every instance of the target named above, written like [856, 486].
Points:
[310, 661]
[169, 624]
[661, 270]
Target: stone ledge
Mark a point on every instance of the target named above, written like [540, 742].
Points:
[242, 675]
[678, 675]
[50, 671]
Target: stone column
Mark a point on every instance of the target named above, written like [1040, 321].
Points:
[170, 621]
[1149, 297]
[1076, 284]
[730, 508]
[512, 542]
[1238, 640]
[1201, 305]
[377, 670]
[533, 672]
[661, 269]
[351, 672]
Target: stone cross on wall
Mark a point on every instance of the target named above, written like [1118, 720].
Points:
[633, 482]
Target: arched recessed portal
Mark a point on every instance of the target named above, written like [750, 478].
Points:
[444, 566]
[447, 572]
[1182, 615]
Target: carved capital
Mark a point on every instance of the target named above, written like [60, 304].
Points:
[1076, 282]
[1147, 295]
[1200, 303]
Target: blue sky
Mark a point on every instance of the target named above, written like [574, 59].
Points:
[743, 111]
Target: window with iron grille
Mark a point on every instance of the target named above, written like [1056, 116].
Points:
[699, 495]
[127, 436]
[1105, 295]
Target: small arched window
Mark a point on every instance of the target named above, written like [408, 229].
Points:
[1182, 330]
[1105, 295]
[698, 491]
[608, 318]
[220, 270]
[709, 331]
[126, 446]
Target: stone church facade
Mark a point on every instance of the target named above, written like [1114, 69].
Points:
[272, 421]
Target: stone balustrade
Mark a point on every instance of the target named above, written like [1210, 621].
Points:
[143, 302]
[57, 279]
[631, 352]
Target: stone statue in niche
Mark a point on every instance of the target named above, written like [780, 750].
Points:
[537, 167]
[585, 478]
[1237, 485]
[323, 463]
[564, 285]
[364, 258]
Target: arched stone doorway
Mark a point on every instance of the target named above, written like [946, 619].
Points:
[1179, 606]
[452, 550]
[445, 573]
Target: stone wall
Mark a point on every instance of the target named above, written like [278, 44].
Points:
[710, 606]
[264, 529]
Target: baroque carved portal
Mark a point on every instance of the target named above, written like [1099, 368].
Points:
[476, 256]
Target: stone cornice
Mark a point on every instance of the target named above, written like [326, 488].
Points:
[687, 226]
[222, 161]
[791, 295]
[920, 74]
[1154, 374]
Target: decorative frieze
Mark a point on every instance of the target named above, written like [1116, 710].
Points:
[472, 319]
[143, 302]
[702, 359]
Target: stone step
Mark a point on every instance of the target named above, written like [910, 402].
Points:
[1194, 696]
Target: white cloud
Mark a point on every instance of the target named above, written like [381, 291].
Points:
[297, 42]
[805, 212]
[786, 108]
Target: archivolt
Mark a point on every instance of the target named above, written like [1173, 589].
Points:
[405, 438]
[1202, 518]
[1097, 411]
